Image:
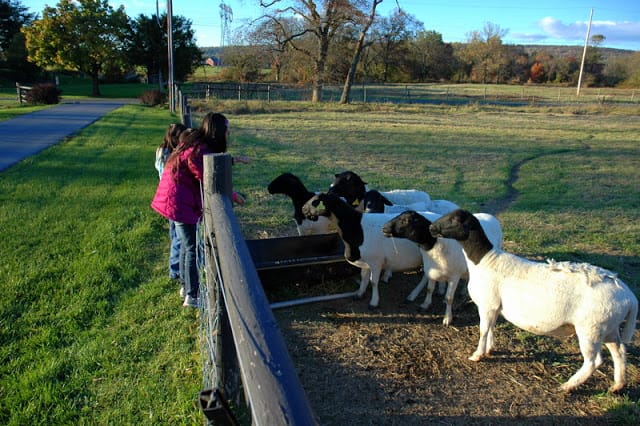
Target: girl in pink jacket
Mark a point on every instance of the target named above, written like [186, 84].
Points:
[178, 197]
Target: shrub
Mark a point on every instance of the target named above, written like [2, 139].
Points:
[153, 97]
[43, 93]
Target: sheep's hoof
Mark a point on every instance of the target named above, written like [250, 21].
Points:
[424, 308]
[617, 387]
[566, 388]
[446, 321]
[475, 357]
[373, 307]
[408, 301]
[358, 296]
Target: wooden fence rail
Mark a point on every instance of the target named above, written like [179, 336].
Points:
[246, 333]
[22, 92]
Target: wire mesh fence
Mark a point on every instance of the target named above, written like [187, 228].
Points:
[449, 94]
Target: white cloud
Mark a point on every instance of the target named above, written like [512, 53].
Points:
[615, 33]
[555, 28]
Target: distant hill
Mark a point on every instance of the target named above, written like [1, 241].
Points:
[210, 52]
[564, 51]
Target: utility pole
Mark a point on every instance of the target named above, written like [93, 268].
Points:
[172, 94]
[584, 53]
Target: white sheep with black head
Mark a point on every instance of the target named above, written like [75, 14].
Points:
[364, 244]
[291, 186]
[552, 298]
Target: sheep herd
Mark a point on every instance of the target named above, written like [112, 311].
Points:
[404, 230]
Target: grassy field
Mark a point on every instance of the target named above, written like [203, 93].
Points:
[578, 194]
[91, 329]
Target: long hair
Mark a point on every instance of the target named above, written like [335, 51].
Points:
[172, 135]
[212, 133]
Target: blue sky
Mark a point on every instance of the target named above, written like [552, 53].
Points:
[557, 22]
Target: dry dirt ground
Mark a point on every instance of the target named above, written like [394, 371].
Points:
[399, 366]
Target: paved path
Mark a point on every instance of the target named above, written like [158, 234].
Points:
[28, 134]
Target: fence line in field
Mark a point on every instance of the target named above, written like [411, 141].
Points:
[416, 93]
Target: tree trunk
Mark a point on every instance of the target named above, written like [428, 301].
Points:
[316, 95]
[95, 86]
[277, 67]
[318, 81]
[346, 90]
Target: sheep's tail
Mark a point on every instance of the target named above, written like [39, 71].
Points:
[630, 325]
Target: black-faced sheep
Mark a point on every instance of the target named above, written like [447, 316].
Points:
[291, 186]
[352, 188]
[443, 258]
[365, 246]
[553, 298]
[375, 202]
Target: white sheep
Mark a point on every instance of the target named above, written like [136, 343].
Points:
[352, 188]
[557, 299]
[364, 244]
[290, 185]
[443, 258]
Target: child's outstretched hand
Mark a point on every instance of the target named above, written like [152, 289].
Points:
[241, 159]
[238, 198]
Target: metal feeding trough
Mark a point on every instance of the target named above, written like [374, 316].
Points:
[310, 257]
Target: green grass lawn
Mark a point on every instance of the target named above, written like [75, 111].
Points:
[91, 329]
[11, 110]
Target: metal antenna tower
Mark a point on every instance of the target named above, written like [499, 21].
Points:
[226, 16]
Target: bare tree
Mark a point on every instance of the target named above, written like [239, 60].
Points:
[272, 36]
[323, 20]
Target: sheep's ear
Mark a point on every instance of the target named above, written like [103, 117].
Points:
[321, 205]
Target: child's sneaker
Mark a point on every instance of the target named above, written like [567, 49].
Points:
[191, 302]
